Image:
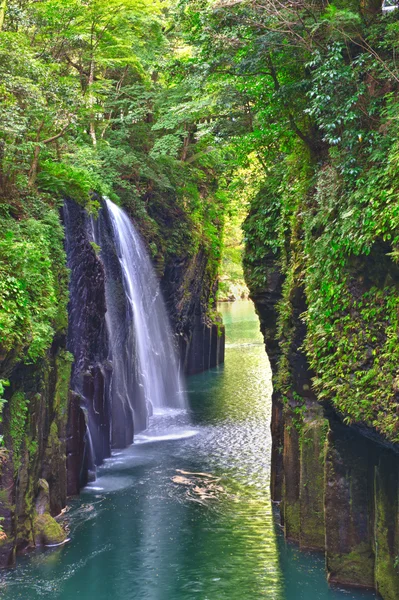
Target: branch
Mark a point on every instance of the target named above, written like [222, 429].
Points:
[58, 135]
[199, 154]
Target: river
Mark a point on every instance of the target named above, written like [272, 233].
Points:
[146, 531]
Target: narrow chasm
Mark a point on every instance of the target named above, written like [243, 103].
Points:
[199, 300]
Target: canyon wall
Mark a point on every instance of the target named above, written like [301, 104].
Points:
[334, 478]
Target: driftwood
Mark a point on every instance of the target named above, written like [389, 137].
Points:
[200, 487]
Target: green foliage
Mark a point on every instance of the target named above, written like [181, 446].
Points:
[17, 426]
[67, 181]
[261, 236]
[33, 280]
[313, 95]
[99, 100]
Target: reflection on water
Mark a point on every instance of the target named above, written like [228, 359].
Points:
[137, 535]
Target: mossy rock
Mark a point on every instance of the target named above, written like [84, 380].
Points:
[42, 501]
[48, 531]
[355, 568]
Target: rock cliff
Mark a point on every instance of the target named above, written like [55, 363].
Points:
[336, 482]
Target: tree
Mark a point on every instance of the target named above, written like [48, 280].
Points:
[3, 7]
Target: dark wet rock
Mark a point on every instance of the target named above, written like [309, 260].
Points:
[76, 432]
[349, 509]
[187, 287]
[277, 430]
[87, 341]
[386, 536]
[291, 483]
[42, 501]
[311, 495]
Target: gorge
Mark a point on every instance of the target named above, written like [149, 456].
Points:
[156, 158]
[134, 531]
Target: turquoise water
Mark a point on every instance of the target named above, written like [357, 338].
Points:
[138, 533]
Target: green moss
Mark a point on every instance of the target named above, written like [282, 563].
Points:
[354, 568]
[25, 503]
[292, 519]
[18, 407]
[291, 483]
[63, 364]
[386, 573]
[47, 531]
[312, 442]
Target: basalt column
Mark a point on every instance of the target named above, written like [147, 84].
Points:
[187, 287]
[87, 341]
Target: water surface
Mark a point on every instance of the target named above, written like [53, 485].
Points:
[138, 535]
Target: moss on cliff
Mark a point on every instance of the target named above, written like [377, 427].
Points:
[354, 568]
[386, 527]
[34, 434]
[312, 465]
[17, 426]
[33, 281]
[47, 531]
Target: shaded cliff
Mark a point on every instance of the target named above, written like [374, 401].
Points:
[87, 341]
[189, 288]
[34, 371]
[334, 456]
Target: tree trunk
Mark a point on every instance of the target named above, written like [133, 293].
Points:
[2, 177]
[36, 153]
[3, 6]
[35, 160]
[92, 128]
[33, 167]
[186, 143]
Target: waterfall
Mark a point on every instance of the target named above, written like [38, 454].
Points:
[146, 375]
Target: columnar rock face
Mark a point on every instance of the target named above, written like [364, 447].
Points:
[291, 482]
[386, 539]
[187, 287]
[87, 341]
[340, 494]
[338, 486]
[34, 427]
[311, 493]
[349, 508]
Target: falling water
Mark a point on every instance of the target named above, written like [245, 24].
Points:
[149, 357]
